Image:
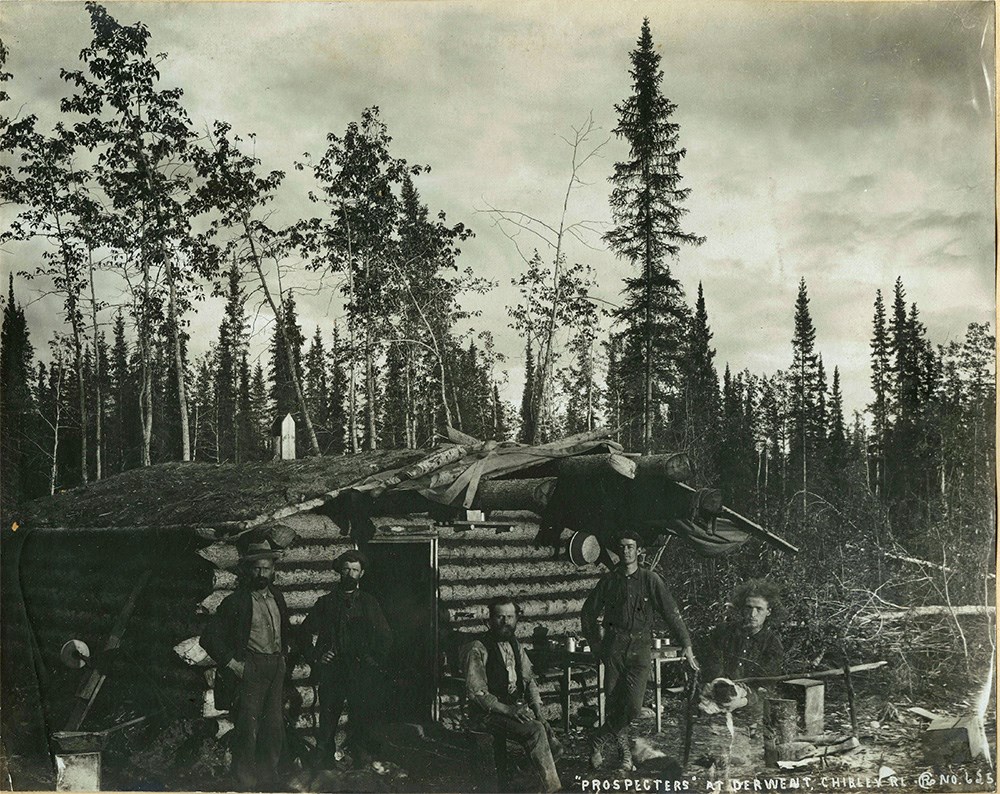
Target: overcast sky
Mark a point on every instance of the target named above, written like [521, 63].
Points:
[846, 143]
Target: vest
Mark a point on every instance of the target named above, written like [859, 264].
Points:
[618, 616]
[496, 670]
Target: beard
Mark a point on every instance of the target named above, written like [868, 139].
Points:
[504, 632]
[348, 585]
[260, 582]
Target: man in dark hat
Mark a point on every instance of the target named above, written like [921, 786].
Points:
[347, 641]
[248, 638]
[502, 694]
[629, 598]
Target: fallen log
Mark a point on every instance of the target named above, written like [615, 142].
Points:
[922, 612]
[530, 495]
[675, 467]
[831, 673]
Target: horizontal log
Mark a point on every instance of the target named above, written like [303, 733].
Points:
[514, 532]
[532, 607]
[493, 551]
[295, 578]
[533, 494]
[460, 571]
[519, 589]
[833, 672]
[933, 611]
[675, 467]
[315, 525]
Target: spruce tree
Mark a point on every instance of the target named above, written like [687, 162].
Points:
[803, 392]
[837, 430]
[315, 387]
[699, 411]
[232, 342]
[249, 445]
[261, 413]
[282, 373]
[647, 207]
[881, 381]
[17, 405]
[527, 431]
[336, 408]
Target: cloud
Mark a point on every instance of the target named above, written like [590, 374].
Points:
[843, 142]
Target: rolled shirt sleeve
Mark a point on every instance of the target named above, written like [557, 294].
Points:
[667, 608]
[530, 685]
[477, 688]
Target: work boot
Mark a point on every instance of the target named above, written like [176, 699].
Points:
[624, 742]
[598, 749]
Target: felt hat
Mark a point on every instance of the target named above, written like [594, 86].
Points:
[583, 548]
[258, 551]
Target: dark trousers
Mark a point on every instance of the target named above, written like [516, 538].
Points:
[626, 670]
[533, 737]
[258, 732]
[353, 686]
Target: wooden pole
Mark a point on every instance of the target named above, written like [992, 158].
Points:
[831, 673]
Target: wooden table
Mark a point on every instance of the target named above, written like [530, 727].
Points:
[566, 661]
[668, 654]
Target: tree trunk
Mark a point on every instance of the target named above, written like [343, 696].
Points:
[352, 395]
[99, 403]
[146, 392]
[409, 434]
[299, 398]
[82, 388]
[370, 388]
[178, 362]
[72, 314]
[54, 471]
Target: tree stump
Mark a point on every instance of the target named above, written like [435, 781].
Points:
[780, 726]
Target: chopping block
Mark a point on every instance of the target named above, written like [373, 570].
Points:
[955, 740]
[809, 694]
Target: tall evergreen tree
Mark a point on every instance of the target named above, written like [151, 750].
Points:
[647, 207]
[837, 430]
[249, 441]
[527, 413]
[882, 390]
[17, 404]
[336, 408]
[230, 354]
[260, 410]
[282, 389]
[803, 395]
[316, 389]
[699, 407]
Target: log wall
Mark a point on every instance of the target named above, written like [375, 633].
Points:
[72, 584]
[474, 566]
[75, 583]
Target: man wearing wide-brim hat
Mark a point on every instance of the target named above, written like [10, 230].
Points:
[248, 637]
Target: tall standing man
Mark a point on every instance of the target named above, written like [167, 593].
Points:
[248, 638]
[352, 640]
[502, 694]
[628, 598]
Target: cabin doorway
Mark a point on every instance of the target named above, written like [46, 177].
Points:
[402, 574]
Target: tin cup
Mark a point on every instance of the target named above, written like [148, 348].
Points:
[657, 643]
[571, 644]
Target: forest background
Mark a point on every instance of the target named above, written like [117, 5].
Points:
[157, 279]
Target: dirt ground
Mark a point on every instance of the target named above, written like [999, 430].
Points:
[431, 759]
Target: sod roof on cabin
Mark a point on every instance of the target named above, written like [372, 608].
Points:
[203, 494]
